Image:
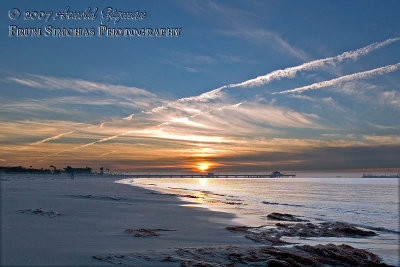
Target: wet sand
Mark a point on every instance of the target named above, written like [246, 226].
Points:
[53, 220]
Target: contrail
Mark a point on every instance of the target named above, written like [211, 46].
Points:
[103, 140]
[51, 138]
[350, 77]
[86, 145]
[287, 72]
[204, 96]
[292, 71]
[107, 153]
[39, 142]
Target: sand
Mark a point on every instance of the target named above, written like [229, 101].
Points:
[93, 221]
[53, 220]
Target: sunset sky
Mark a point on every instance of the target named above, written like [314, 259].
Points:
[248, 86]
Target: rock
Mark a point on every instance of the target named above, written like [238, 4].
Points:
[325, 229]
[284, 217]
[277, 263]
[145, 232]
[265, 238]
[272, 236]
[352, 230]
[115, 198]
[343, 255]
[243, 229]
[300, 256]
[40, 211]
[232, 203]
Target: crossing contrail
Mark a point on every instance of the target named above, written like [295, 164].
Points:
[350, 77]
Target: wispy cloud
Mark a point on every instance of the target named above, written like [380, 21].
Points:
[243, 24]
[87, 94]
[262, 36]
[215, 123]
[274, 116]
[390, 97]
[78, 85]
[350, 77]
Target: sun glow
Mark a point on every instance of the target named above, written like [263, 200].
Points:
[203, 181]
[203, 166]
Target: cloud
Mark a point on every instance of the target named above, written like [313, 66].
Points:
[312, 65]
[126, 118]
[243, 24]
[382, 140]
[190, 69]
[92, 97]
[252, 116]
[350, 77]
[213, 124]
[315, 158]
[289, 72]
[262, 36]
[83, 146]
[78, 85]
[390, 98]
[213, 94]
[25, 82]
[202, 123]
[103, 140]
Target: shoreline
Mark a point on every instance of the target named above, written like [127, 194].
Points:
[220, 200]
[90, 221]
[94, 212]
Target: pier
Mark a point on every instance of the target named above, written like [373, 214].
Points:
[212, 175]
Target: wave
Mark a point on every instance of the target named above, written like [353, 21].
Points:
[282, 204]
[380, 229]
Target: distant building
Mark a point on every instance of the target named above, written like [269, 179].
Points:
[85, 171]
[276, 174]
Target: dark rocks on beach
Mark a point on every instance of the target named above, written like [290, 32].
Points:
[41, 212]
[343, 255]
[233, 203]
[145, 232]
[272, 236]
[189, 196]
[258, 235]
[320, 255]
[324, 229]
[114, 198]
[284, 217]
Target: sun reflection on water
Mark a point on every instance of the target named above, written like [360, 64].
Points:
[203, 181]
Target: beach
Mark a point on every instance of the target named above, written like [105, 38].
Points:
[92, 220]
[94, 212]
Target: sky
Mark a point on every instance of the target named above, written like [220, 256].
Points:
[246, 86]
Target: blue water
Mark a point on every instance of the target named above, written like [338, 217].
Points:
[371, 203]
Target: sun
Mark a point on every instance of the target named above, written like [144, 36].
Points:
[203, 166]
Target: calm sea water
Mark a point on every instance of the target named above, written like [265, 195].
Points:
[371, 203]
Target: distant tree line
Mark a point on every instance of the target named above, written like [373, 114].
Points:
[52, 170]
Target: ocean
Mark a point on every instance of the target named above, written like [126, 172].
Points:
[370, 203]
